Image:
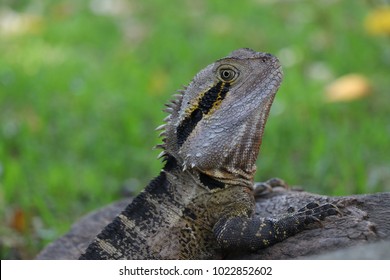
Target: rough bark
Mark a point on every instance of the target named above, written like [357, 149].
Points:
[365, 219]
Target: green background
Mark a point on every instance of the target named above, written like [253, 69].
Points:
[83, 83]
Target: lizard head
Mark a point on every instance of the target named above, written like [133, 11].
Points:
[216, 124]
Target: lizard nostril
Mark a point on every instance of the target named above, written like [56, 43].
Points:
[266, 57]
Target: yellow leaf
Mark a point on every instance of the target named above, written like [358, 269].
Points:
[347, 88]
[378, 21]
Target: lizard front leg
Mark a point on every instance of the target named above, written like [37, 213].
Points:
[253, 233]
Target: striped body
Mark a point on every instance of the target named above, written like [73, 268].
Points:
[160, 224]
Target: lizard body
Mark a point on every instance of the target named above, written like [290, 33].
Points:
[201, 206]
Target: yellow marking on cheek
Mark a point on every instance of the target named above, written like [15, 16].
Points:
[202, 106]
[217, 102]
[194, 105]
[209, 101]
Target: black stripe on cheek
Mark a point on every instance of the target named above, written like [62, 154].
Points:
[211, 98]
[210, 182]
[187, 126]
[207, 101]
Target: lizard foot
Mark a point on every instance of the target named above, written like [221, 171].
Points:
[262, 188]
[314, 212]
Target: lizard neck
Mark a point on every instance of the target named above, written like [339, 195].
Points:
[213, 195]
[209, 180]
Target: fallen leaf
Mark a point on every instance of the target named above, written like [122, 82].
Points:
[18, 220]
[347, 88]
[377, 21]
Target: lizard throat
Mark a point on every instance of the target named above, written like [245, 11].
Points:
[207, 103]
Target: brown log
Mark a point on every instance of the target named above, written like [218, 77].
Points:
[364, 219]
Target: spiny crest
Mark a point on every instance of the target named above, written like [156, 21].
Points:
[172, 106]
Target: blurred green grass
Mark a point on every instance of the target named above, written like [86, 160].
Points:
[83, 83]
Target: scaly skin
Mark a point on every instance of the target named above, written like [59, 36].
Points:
[201, 206]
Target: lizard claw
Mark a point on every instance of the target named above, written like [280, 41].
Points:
[262, 188]
[319, 212]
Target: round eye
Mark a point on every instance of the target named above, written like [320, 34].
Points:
[227, 74]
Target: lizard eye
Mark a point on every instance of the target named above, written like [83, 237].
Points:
[227, 74]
